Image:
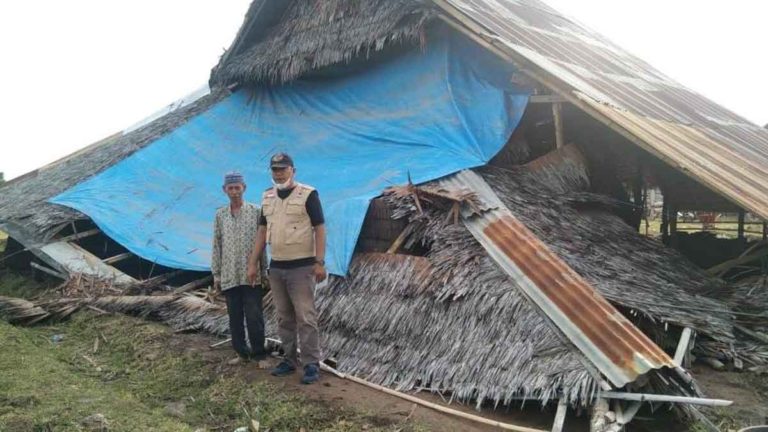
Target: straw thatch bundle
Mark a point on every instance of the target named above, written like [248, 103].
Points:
[313, 34]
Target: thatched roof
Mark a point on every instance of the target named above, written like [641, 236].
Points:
[454, 320]
[23, 201]
[314, 34]
[629, 269]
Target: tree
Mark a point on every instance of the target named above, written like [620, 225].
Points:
[2, 179]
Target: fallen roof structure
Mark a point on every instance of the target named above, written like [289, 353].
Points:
[543, 292]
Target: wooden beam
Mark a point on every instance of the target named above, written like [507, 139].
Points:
[81, 235]
[546, 99]
[399, 240]
[562, 409]
[117, 258]
[557, 114]
[682, 346]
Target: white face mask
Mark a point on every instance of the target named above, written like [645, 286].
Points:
[283, 186]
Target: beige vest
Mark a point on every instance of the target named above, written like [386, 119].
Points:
[290, 234]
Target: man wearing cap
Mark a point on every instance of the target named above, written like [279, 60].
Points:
[292, 224]
[234, 232]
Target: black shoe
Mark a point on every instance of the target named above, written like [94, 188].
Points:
[283, 369]
[311, 373]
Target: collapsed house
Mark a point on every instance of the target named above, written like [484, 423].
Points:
[514, 270]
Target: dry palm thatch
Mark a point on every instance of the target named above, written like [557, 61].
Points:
[454, 321]
[181, 312]
[397, 320]
[313, 34]
[20, 311]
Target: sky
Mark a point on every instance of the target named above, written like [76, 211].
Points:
[75, 72]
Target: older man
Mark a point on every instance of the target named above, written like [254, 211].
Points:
[292, 224]
[233, 239]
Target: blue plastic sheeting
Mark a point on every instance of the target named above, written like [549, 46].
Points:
[426, 113]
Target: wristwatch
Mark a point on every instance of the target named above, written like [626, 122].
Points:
[321, 262]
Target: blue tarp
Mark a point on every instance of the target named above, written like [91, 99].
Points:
[427, 113]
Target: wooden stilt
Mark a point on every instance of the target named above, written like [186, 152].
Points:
[673, 225]
[741, 225]
[557, 114]
[665, 221]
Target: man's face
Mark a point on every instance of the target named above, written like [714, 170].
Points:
[282, 175]
[234, 190]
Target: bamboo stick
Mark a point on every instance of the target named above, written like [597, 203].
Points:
[644, 397]
[434, 406]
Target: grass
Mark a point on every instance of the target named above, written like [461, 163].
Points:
[130, 370]
[15, 285]
[131, 378]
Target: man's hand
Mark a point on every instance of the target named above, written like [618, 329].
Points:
[319, 272]
[216, 286]
[253, 275]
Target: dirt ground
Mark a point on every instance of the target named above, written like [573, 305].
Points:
[388, 409]
[748, 391]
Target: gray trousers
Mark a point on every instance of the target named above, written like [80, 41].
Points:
[293, 291]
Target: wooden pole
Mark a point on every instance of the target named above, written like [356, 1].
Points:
[665, 221]
[644, 397]
[741, 225]
[682, 346]
[434, 406]
[673, 225]
[557, 114]
[562, 409]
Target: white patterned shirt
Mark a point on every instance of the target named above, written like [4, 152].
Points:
[233, 238]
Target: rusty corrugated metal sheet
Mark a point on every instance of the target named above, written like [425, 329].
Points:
[717, 147]
[608, 339]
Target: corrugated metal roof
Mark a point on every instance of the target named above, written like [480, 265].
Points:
[608, 339]
[717, 147]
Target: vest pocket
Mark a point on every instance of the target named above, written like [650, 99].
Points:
[298, 234]
[267, 209]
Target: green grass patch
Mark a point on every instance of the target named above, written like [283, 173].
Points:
[15, 285]
[138, 369]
